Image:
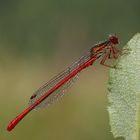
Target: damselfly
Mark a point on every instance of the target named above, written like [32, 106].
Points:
[56, 87]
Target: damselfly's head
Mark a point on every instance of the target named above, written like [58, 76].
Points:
[113, 39]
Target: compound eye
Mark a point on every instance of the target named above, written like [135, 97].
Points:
[113, 39]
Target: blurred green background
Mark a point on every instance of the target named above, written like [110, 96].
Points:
[38, 39]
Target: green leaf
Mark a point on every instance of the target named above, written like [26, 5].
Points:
[124, 93]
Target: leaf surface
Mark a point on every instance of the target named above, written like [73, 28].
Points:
[124, 93]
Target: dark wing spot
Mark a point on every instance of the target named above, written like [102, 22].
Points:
[33, 96]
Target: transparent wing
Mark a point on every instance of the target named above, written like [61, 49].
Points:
[61, 90]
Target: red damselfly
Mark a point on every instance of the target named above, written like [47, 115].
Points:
[56, 87]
